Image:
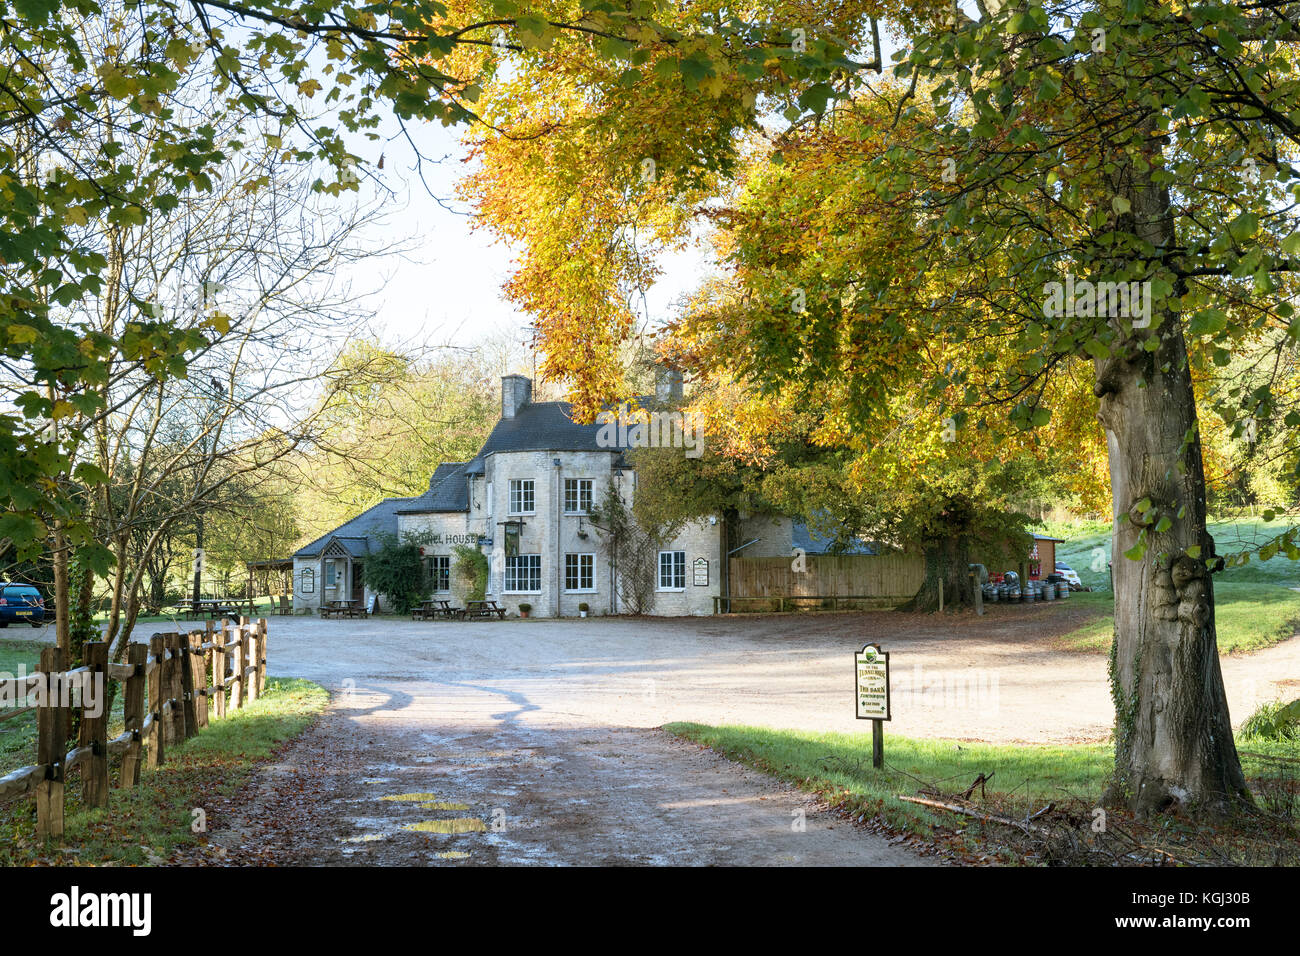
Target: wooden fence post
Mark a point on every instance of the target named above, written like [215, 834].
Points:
[261, 659]
[253, 652]
[175, 689]
[237, 670]
[209, 638]
[157, 735]
[94, 730]
[137, 655]
[246, 658]
[52, 730]
[219, 669]
[189, 703]
[198, 680]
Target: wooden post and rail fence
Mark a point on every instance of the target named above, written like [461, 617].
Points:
[171, 688]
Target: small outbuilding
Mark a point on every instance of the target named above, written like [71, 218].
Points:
[1042, 557]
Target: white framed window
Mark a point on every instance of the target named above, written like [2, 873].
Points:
[523, 573]
[577, 496]
[331, 573]
[672, 570]
[522, 501]
[579, 572]
[438, 568]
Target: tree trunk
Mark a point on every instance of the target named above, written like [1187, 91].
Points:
[948, 561]
[1173, 739]
[61, 596]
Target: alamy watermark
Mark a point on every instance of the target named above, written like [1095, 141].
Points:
[1129, 300]
[639, 428]
[974, 689]
[84, 689]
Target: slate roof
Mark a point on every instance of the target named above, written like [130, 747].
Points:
[356, 535]
[539, 426]
[801, 536]
[447, 492]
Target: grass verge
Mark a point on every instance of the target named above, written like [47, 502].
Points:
[1247, 618]
[1022, 779]
[151, 823]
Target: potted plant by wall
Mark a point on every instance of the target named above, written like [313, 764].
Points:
[524, 609]
[583, 609]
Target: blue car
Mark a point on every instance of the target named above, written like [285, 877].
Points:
[21, 604]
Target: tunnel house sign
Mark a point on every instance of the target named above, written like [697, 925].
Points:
[871, 673]
[872, 683]
[701, 569]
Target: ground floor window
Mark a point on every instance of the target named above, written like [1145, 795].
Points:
[331, 573]
[523, 572]
[672, 570]
[579, 572]
[438, 570]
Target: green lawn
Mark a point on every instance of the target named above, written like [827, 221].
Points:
[1255, 606]
[1087, 549]
[837, 767]
[151, 821]
[1247, 617]
[18, 736]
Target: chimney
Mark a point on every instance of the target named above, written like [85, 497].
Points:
[668, 386]
[516, 392]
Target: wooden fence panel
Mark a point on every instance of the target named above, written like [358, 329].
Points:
[884, 576]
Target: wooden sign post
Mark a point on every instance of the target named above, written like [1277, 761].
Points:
[871, 669]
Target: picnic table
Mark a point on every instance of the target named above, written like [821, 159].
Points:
[348, 607]
[483, 610]
[434, 609]
[214, 607]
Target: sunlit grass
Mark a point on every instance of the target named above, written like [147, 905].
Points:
[1021, 779]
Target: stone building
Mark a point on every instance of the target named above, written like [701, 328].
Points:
[524, 501]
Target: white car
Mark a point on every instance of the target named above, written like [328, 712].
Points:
[1071, 576]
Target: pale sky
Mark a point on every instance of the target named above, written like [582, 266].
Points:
[449, 286]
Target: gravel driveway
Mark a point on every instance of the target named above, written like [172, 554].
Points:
[998, 678]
